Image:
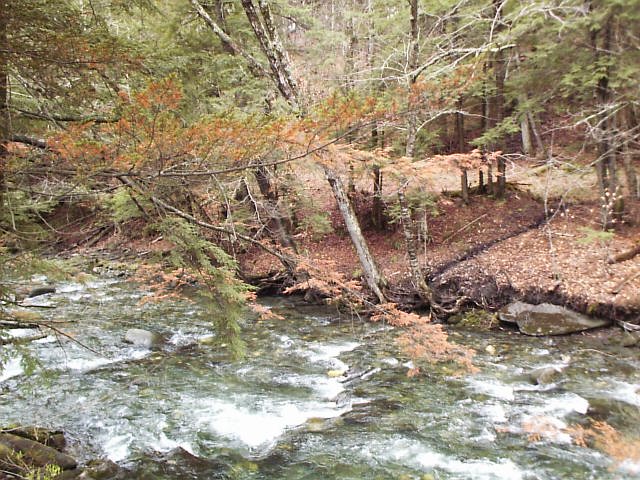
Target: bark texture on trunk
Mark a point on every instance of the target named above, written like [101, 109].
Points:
[4, 95]
[227, 42]
[417, 276]
[373, 276]
[277, 218]
[629, 157]
[270, 44]
[612, 203]
[412, 104]
[378, 204]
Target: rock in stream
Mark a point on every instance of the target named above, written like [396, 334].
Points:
[548, 319]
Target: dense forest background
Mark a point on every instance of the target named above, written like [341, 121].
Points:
[224, 126]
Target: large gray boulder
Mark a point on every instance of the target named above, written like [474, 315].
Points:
[143, 338]
[548, 319]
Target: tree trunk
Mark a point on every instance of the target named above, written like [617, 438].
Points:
[412, 104]
[271, 46]
[612, 204]
[377, 212]
[460, 127]
[464, 186]
[372, 274]
[229, 45]
[275, 214]
[501, 181]
[490, 184]
[4, 96]
[525, 132]
[628, 156]
[417, 276]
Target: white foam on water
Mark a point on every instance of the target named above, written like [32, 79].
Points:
[285, 341]
[20, 332]
[493, 412]
[116, 447]
[326, 387]
[88, 364]
[407, 452]
[328, 353]
[12, 368]
[182, 339]
[260, 426]
[560, 406]
[625, 392]
[492, 388]
[630, 467]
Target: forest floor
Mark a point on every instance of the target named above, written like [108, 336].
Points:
[492, 251]
[495, 251]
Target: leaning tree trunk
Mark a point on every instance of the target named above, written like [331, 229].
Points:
[417, 276]
[375, 279]
[229, 45]
[272, 47]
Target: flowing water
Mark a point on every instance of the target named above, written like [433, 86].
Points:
[185, 410]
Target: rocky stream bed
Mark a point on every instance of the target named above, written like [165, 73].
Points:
[318, 396]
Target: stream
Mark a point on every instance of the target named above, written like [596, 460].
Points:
[186, 411]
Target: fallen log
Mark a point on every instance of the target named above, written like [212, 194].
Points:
[625, 255]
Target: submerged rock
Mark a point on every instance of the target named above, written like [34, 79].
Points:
[143, 338]
[548, 319]
[36, 292]
[545, 375]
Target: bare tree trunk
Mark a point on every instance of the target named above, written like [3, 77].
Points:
[460, 126]
[525, 132]
[272, 47]
[414, 50]
[481, 186]
[612, 205]
[464, 186]
[275, 214]
[628, 155]
[372, 274]
[500, 72]
[227, 42]
[4, 96]
[377, 213]
[417, 276]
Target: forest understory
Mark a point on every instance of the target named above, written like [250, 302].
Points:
[491, 252]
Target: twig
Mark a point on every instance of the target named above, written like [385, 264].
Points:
[615, 290]
[21, 340]
[464, 227]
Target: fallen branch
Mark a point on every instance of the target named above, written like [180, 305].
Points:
[288, 262]
[615, 290]
[21, 340]
[625, 255]
[464, 227]
[630, 327]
